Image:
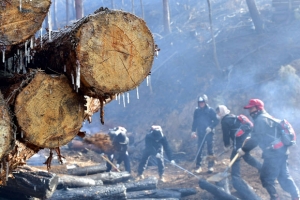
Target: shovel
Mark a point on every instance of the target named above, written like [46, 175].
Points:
[221, 175]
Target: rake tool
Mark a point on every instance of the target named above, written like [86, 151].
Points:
[199, 149]
[106, 159]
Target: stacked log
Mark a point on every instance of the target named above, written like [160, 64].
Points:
[20, 20]
[99, 56]
[29, 181]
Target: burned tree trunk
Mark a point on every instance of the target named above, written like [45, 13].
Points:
[48, 111]
[91, 193]
[28, 181]
[84, 171]
[111, 177]
[20, 20]
[68, 181]
[105, 53]
[146, 184]
[155, 194]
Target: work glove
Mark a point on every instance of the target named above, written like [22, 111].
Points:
[193, 135]
[240, 152]
[112, 156]
[158, 155]
[208, 130]
[172, 162]
[117, 166]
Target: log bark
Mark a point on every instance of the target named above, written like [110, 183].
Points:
[156, 194]
[84, 171]
[49, 112]
[109, 51]
[6, 131]
[111, 177]
[216, 191]
[20, 21]
[183, 191]
[16, 157]
[145, 184]
[68, 181]
[32, 182]
[91, 193]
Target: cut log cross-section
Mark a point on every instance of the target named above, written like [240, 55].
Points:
[48, 111]
[20, 20]
[105, 53]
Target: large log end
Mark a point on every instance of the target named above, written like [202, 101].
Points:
[115, 51]
[20, 20]
[49, 111]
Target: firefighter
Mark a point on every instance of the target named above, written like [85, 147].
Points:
[120, 143]
[238, 129]
[275, 164]
[155, 145]
[203, 128]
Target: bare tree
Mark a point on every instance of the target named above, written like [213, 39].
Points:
[112, 4]
[79, 9]
[67, 12]
[142, 8]
[55, 24]
[166, 11]
[132, 5]
[254, 13]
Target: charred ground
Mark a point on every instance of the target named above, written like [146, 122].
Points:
[251, 65]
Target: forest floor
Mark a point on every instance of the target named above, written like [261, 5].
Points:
[179, 178]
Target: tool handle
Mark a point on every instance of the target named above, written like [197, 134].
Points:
[105, 158]
[233, 160]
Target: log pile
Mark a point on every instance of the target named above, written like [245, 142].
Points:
[51, 84]
[30, 182]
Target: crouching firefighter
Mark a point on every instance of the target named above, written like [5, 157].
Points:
[238, 129]
[120, 143]
[155, 145]
[274, 159]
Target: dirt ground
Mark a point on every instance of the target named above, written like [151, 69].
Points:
[179, 178]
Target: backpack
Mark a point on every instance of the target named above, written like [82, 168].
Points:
[246, 125]
[286, 133]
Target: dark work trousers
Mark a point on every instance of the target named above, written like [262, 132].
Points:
[276, 167]
[144, 162]
[120, 158]
[243, 189]
[209, 140]
[235, 169]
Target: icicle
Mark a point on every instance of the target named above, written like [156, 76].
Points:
[78, 74]
[21, 61]
[64, 68]
[50, 24]
[18, 52]
[20, 5]
[119, 97]
[41, 40]
[147, 79]
[21, 134]
[7, 170]
[137, 92]
[3, 56]
[123, 96]
[116, 97]
[128, 97]
[31, 42]
[25, 53]
[14, 135]
[72, 78]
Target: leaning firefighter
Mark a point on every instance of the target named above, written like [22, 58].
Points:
[203, 128]
[274, 156]
[155, 145]
[237, 129]
[119, 153]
